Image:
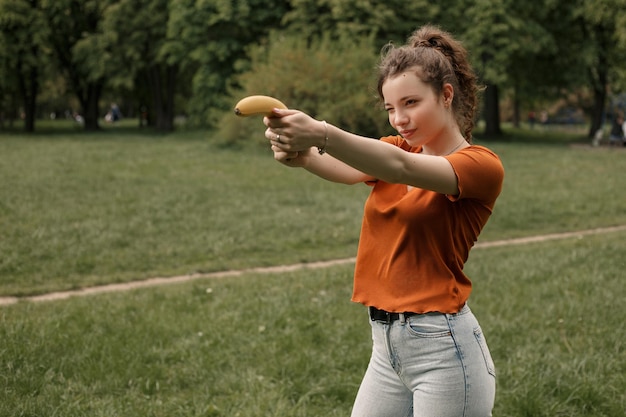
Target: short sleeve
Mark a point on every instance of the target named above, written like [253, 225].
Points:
[479, 172]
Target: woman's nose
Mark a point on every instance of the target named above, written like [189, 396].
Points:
[400, 118]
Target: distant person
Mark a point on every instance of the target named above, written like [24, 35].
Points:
[116, 114]
[616, 137]
[432, 193]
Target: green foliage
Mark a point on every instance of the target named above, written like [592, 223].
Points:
[532, 51]
[79, 50]
[136, 32]
[384, 20]
[331, 79]
[23, 57]
[210, 38]
[506, 40]
[602, 27]
[22, 32]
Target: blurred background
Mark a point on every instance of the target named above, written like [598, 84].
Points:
[170, 63]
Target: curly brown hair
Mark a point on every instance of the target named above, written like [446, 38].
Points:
[438, 59]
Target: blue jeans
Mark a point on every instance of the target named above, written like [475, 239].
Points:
[428, 365]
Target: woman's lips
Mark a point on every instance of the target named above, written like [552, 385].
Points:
[407, 133]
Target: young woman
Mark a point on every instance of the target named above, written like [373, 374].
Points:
[432, 193]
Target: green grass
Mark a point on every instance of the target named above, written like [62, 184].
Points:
[555, 187]
[556, 329]
[82, 209]
[79, 210]
[293, 345]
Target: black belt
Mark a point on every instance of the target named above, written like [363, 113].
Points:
[385, 316]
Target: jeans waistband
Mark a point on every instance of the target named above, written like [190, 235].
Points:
[383, 316]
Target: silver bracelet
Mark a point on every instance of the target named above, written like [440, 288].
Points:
[322, 150]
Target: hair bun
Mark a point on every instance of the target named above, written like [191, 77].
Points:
[432, 41]
[426, 43]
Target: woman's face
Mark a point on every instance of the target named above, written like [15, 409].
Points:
[414, 109]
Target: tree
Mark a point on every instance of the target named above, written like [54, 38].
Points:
[547, 49]
[208, 39]
[80, 55]
[602, 51]
[548, 68]
[136, 32]
[22, 35]
[531, 63]
[184, 55]
[493, 38]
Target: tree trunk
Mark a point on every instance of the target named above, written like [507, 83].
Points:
[30, 100]
[29, 87]
[90, 106]
[597, 113]
[171, 72]
[599, 76]
[516, 110]
[599, 80]
[162, 86]
[492, 111]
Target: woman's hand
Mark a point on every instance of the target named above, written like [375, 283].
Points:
[293, 131]
[297, 139]
[291, 159]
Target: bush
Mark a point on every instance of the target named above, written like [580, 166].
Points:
[330, 79]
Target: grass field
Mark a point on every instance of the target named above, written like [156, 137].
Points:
[79, 210]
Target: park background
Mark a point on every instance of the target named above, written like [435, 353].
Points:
[192, 191]
[163, 61]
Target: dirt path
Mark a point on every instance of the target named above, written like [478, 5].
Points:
[151, 282]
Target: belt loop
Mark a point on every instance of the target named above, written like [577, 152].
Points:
[402, 318]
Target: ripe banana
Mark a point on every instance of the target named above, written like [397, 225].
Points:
[254, 105]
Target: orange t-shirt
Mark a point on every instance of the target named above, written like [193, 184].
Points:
[414, 244]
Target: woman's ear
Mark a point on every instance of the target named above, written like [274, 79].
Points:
[448, 94]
